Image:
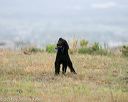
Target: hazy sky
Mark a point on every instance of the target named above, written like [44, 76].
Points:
[42, 21]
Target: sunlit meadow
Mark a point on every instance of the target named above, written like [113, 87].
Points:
[30, 78]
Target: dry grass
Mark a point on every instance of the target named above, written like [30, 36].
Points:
[30, 78]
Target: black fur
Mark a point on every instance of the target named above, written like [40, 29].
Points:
[62, 57]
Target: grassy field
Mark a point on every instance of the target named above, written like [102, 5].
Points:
[30, 78]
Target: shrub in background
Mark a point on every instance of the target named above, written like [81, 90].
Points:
[83, 47]
[96, 46]
[50, 48]
[101, 52]
[125, 50]
[34, 50]
[83, 43]
[85, 50]
[95, 49]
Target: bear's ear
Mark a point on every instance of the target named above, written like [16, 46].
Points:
[60, 38]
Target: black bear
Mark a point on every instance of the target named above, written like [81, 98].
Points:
[62, 57]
